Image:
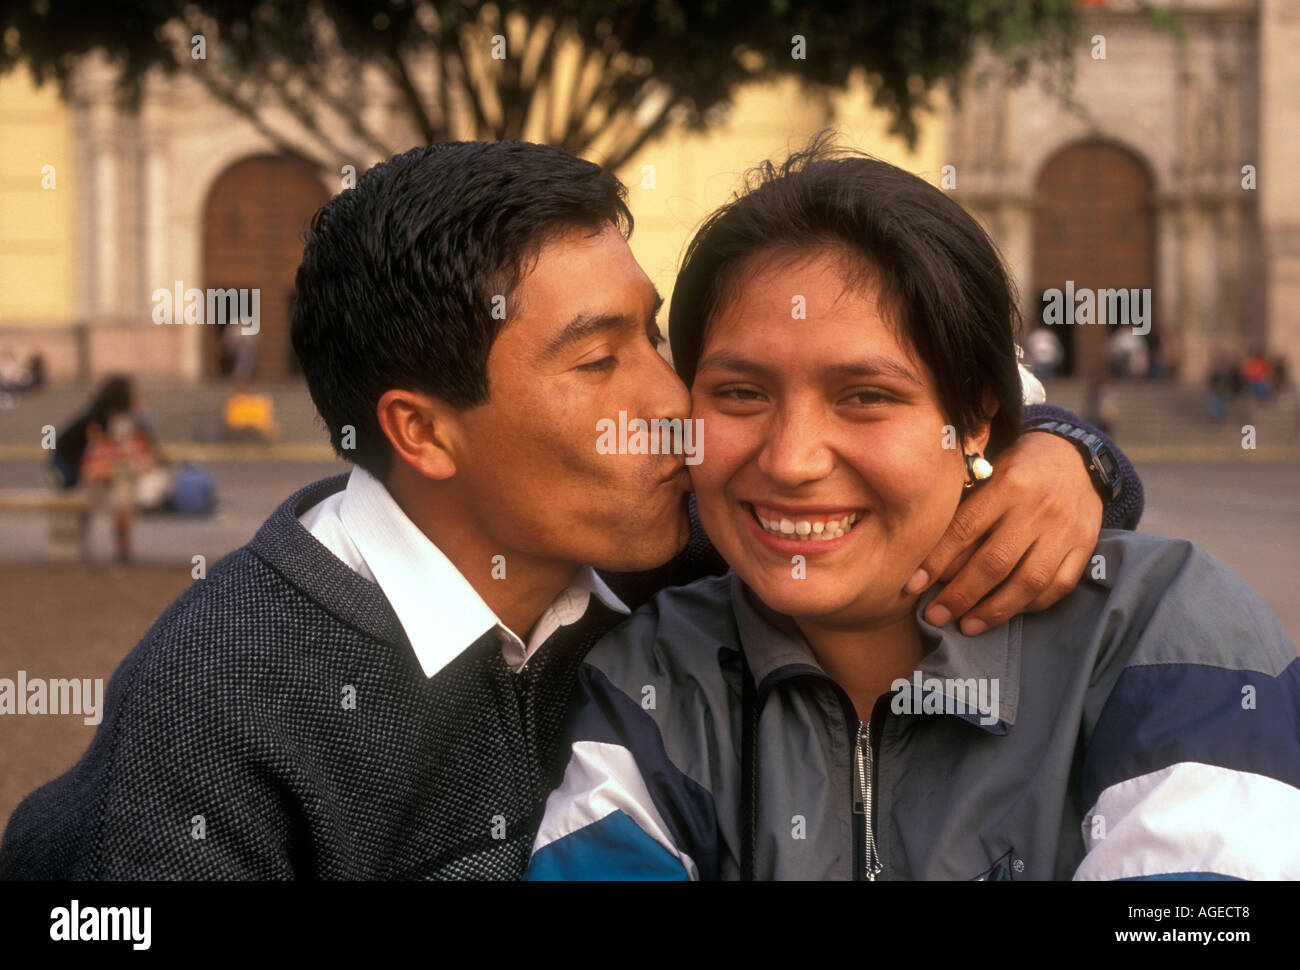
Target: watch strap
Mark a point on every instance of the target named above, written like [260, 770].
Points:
[1103, 467]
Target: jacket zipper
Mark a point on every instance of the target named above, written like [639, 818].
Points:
[862, 770]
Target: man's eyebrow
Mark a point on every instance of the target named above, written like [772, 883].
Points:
[585, 325]
[872, 366]
[580, 328]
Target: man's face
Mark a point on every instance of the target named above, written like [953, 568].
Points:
[577, 348]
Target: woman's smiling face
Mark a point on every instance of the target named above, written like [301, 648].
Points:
[824, 438]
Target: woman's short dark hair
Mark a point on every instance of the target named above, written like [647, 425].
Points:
[398, 278]
[115, 396]
[940, 274]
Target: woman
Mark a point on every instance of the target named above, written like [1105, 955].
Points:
[111, 444]
[113, 404]
[799, 718]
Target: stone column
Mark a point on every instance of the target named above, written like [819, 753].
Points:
[1017, 245]
[1193, 295]
[1279, 189]
[98, 121]
[1170, 310]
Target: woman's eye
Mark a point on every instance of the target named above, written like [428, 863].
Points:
[738, 394]
[868, 398]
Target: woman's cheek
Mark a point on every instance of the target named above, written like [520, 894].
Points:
[722, 451]
[900, 466]
[918, 482]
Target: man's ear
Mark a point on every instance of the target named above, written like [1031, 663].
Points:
[422, 430]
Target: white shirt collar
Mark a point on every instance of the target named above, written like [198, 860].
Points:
[440, 611]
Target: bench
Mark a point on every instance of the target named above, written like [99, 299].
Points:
[69, 517]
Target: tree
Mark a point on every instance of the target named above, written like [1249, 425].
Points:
[597, 78]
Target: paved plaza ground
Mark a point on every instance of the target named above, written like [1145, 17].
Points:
[74, 620]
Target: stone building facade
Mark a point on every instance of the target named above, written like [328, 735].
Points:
[1167, 168]
[1136, 183]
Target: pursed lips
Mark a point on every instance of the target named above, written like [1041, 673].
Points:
[678, 474]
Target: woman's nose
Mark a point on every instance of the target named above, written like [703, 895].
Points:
[796, 451]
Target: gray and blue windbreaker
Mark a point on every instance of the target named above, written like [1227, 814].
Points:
[1147, 726]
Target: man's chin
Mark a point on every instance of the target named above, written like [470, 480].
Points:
[648, 549]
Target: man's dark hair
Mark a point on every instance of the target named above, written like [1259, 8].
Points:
[398, 275]
[941, 277]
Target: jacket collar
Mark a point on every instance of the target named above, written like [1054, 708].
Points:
[775, 650]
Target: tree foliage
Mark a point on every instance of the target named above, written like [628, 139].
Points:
[597, 78]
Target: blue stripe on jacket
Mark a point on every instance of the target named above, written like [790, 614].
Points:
[1183, 877]
[613, 848]
[603, 713]
[1162, 714]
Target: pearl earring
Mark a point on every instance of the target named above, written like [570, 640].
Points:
[978, 469]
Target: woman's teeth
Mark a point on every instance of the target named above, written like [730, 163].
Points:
[807, 530]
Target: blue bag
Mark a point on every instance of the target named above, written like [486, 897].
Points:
[194, 491]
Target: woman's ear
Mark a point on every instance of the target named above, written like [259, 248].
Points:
[421, 430]
[980, 439]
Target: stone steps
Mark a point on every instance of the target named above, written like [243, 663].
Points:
[179, 411]
[1151, 413]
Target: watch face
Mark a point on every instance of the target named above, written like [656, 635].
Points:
[1107, 464]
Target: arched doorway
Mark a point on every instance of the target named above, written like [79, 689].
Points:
[1094, 224]
[254, 223]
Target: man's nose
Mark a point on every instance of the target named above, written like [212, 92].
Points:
[666, 395]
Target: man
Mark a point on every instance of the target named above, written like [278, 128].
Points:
[374, 686]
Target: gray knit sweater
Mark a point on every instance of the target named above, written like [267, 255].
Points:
[274, 723]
